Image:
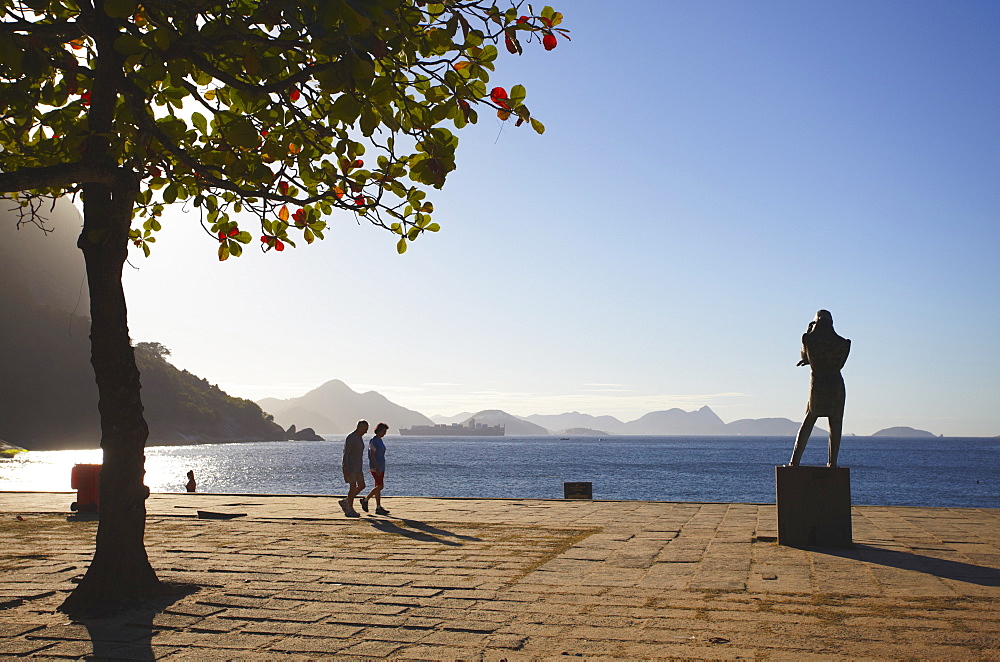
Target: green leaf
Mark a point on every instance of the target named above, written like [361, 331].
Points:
[401, 246]
[346, 109]
[537, 126]
[129, 45]
[241, 132]
[170, 193]
[199, 121]
[517, 94]
[120, 8]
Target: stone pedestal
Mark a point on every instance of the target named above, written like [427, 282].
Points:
[814, 506]
[578, 490]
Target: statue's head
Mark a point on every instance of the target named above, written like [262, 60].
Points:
[824, 320]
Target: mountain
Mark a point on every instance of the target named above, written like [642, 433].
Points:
[575, 419]
[334, 408]
[903, 432]
[513, 426]
[48, 397]
[677, 421]
[182, 408]
[767, 427]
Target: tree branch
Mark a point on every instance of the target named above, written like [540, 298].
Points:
[61, 175]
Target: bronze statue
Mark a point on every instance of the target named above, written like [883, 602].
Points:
[825, 353]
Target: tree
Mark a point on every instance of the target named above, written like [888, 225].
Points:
[241, 109]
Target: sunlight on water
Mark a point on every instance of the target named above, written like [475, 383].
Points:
[49, 471]
[44, 471]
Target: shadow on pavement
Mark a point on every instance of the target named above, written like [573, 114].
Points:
[418, 531]
[423, 526]
[943, 568]
[128, 634]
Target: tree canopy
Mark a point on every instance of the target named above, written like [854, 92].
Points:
[274, 110]
[285, 110]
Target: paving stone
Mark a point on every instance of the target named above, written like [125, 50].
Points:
[526, 579]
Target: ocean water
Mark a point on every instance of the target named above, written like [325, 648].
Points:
[956, 472]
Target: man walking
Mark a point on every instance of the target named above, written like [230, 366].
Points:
[354, 475]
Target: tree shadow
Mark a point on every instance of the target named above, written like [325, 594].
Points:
[127, 633]
[418, 531]
[943, 568]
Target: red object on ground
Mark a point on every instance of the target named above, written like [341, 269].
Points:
[86, 480]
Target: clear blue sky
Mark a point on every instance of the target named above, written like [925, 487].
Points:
[712, 174]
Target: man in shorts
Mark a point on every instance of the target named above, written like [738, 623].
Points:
[353, 465]
[376, 463]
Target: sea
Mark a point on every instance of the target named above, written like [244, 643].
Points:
[940, 471]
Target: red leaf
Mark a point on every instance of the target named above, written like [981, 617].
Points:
[283, 187]
[498, 95]
[294, 95]
[86, 98]
[222, 235]
[511, 46]
[521, 20]
[359, 200]
[234, 232]
[263, 133]
[358, 163]
[278, 246]
[549, 42]
[263, 239]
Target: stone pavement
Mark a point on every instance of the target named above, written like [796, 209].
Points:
[505, 579]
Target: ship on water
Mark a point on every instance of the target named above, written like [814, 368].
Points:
[471, 429]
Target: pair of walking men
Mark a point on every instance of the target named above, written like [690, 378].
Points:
[354, 475]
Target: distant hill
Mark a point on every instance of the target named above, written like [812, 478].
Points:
[181, 407]
[335, 408]
[582, 432]
[575, 419]
[48, 398]
[903, 432]
[677, 421]
[767, 427]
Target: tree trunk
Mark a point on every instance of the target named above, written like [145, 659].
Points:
[120, 570]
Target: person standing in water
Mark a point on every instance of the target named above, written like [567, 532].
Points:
[376, 463]
[825, 353]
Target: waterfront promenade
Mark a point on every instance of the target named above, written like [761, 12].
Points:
[495, 579]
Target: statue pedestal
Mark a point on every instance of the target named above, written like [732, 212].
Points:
[814, 506]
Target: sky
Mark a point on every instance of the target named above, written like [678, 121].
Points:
[712, 174]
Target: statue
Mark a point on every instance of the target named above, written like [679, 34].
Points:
[825, 353]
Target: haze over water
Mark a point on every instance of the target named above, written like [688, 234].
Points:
[953, 472]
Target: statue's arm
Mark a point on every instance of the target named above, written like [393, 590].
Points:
[804, 357]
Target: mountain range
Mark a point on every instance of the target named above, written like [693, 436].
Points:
[335, 408]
